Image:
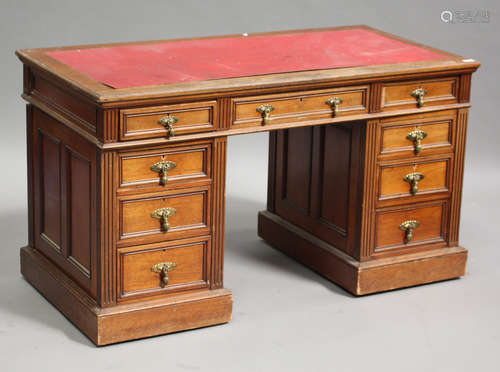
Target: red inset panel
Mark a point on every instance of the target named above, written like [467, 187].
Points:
[207, 59]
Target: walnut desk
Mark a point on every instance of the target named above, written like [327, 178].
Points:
[127, 165]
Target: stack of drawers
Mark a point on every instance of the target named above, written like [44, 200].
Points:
[413, 181]
[415, 162]
[164, 204]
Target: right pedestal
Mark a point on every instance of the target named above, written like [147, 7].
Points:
[371, 205]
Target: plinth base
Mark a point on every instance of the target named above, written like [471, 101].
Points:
[128, 321]
[361, 278]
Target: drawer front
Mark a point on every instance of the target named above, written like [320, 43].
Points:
[189, 118]
[165, 167]
[186, 267]
[390, 234]
[299, 107]
[412, 179]
[399, 137]
[137, 225]
[403, 95]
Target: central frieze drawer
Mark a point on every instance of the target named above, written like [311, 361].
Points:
[186, 264]
[141, 222]
[298, 106]
[151, 122]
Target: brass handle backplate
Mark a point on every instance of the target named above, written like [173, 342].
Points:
[334, 102]
[163, 215]
[409, 226]
[419, 94]
[416, 136]
[168, 122]
[265, 111]
[413, 179]
[163, 268]
[162, 167]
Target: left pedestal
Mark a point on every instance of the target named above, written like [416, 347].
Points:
[128, 242]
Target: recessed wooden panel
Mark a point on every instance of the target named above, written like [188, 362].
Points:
[397, 96]
[439, 128]
[144, 122]
[192, 162]
[65, 199]
[335, 186]
[191, 271]
[79, 249]
[192, 217]
[324, 197]
[301, 106]
[389, 236]
[392, 183]
[298, 168]
[50, 171]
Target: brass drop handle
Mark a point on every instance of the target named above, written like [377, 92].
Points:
[265, 111]
[409, 226]
[168, 122]
[413, 179]
[162, 167]
[334, 102]
[416, 136]
[419, 94]
[163, 268]
[163, 215]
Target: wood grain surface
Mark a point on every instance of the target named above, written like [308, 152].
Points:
[336, 194]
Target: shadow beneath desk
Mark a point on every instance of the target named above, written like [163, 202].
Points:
[243, 243]
[22, 305]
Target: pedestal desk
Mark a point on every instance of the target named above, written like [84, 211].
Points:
[127, 165]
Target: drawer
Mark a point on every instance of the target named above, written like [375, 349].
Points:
[186, 118]
[393, 227]
[163, 216]
[415, 178]
[404, 95]
[417, 135]
[298, 107]
[164, 168]
[185, 266]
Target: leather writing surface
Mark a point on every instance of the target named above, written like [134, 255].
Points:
[126, 66]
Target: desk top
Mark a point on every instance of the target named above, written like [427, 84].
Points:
[115, 71]
[138, 65]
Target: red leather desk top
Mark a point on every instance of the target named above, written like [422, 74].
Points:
[126, 66]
